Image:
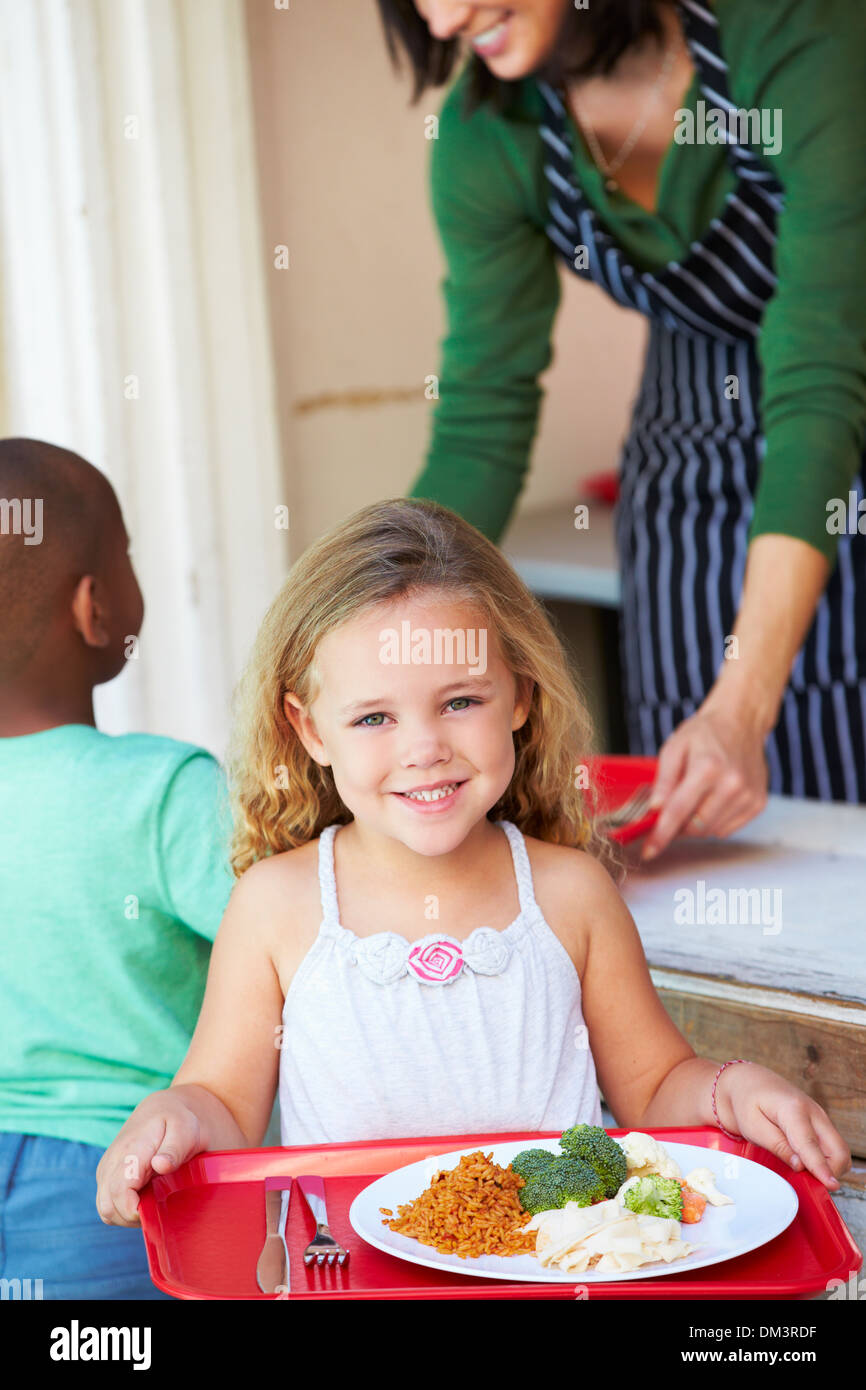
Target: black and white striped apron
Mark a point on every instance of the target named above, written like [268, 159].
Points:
[690, 467]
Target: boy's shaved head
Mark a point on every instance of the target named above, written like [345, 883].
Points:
[58, 519]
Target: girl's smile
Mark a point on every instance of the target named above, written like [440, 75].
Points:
[433, 802]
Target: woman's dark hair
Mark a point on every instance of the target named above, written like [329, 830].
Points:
[590, 42]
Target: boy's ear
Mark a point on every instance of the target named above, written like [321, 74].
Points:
[304, 727]
[90, 611]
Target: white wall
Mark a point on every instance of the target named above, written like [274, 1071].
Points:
[342, 162]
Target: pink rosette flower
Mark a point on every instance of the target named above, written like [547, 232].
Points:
[437, 961]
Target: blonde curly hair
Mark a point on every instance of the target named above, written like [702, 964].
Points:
[402, 548]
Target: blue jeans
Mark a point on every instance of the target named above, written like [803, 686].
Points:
[51, 1231]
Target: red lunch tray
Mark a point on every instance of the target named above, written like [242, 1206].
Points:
[204, 1227]
[615, 777]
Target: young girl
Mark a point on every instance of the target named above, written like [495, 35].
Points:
[425, 937]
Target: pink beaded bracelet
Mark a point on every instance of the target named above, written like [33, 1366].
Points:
[732, 1063]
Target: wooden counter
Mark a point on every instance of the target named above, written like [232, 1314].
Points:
[757, 945]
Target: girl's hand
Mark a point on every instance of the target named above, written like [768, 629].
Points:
[771, 1112]
[160, 1134]
[711, 778]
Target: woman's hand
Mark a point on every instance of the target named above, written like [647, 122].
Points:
[160, 1134]
[763, 1107]
[712, 776]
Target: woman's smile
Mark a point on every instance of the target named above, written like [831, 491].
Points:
[512, 41]
[493, 40]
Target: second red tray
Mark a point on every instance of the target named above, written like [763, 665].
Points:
[617, 776]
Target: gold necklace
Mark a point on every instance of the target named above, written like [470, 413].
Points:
[609, 168]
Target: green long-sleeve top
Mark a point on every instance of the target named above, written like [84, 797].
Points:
[803, 58]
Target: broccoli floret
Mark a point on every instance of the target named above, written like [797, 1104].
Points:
[563, 1180]
[655, 1196]
[595, 1146]
[529, 1162]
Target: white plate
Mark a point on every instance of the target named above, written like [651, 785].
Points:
[764, 1205]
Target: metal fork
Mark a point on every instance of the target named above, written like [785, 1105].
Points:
[635, 808]
[323, 1248]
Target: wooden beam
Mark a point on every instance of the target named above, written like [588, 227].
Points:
[825, 1057]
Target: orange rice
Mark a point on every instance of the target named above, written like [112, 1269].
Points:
[469, 1210]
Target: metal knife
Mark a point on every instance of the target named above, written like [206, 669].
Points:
[272, 1271]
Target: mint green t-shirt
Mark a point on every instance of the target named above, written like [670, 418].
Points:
[114, 876]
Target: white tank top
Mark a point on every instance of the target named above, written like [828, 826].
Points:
[385, 1038]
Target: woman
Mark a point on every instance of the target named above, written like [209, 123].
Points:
[705, 165]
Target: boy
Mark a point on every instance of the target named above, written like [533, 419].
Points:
[113, 879]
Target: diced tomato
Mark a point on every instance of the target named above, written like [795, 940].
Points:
[694, 1204]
